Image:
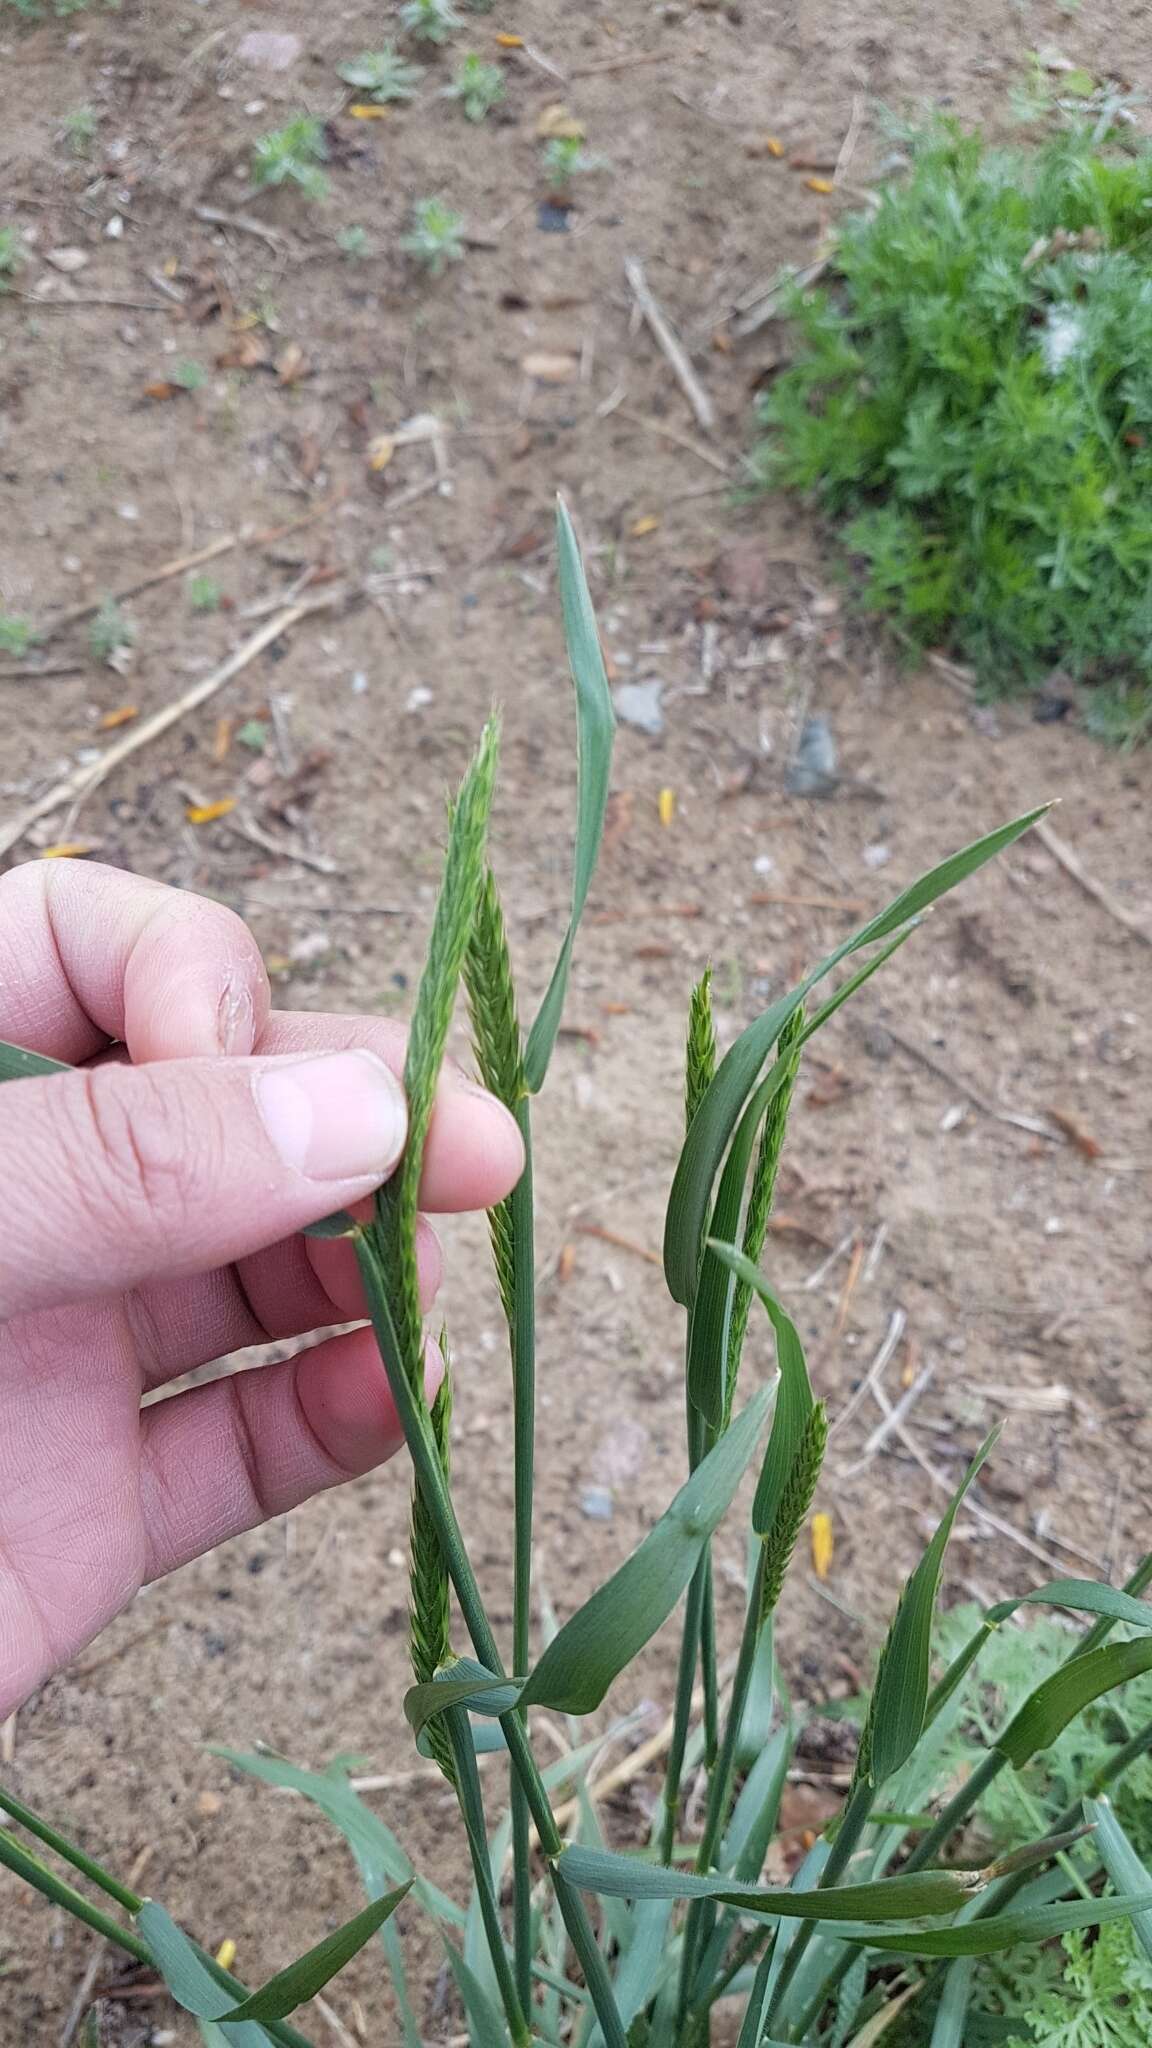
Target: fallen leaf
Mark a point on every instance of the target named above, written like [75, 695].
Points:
[557, 121]
[246, 351]
[69, 849]
[367, 111]
[123, 715]
[820, 184]
[773, 145]
[292, 364]
[206, 814]
[547, 368]
[666, 806]
[565, 1264]
[1088, 1146]
[161, 389]
[510, 42]
[226, 1954]
[647, 523]
[722, 342]
[764, 145]
[222, 739]
[823, 1545]
[381, 451]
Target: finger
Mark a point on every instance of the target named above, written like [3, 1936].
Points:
[286, 1291]
[226, 1457]
[122, 1174]
[88, 954]
[474, 1155]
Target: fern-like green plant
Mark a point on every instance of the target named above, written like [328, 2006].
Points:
[293, 155]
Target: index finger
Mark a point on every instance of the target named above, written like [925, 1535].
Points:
[89, 953]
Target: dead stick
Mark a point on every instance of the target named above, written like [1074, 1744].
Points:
[622, 63]
[1072, 865]
[36, 675]
[1017, 1119]
[671, 345]
[624, 1244]
[82, 781]
[667, 433]
[891, 1422]
[869, 1385]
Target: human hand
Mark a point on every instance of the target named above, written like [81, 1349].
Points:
[151, 1214]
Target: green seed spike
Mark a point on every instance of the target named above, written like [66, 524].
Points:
[700, 1053]
[396, 1203]
[430, 1610]
[499, 1054]
[760, 1202]
[799, 1488]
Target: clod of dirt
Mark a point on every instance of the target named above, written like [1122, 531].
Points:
[743, 572]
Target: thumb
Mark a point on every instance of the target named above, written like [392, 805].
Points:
[113, 1175]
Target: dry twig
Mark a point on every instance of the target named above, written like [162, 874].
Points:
[897, 1325]
[671, 345]
[1016, 1118]
[1072, 865]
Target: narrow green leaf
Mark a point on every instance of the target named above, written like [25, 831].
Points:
[754, 1815]
[595, 729]
[1002, 1930]
[899, 1702]
[1047, 1712]
[340, 1224]
[604, 1635]
[18, 1064]
[1079, 1596]
[889, 1898]
[1120, 1860]
[461, 1684]
[485, 2020]
[952, 2011]
[311, 1972]
[794, 1398]
[193, 1985]
[719, 1112]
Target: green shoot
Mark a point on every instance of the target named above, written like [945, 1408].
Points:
[17, 634]
[383, 75]
[204, 594]
[12, 256]
[564, 157]
[436, 237]
[79, 130]
[292, 155]
[111, 632]
[478, 86]
[430, 21]
[353, 243]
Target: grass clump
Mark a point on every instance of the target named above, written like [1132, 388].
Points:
[436, 237]
[383, 74]
[970, 401]
[111, 632]
[17, 634]
[292, 155]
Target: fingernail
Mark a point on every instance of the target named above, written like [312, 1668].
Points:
[339, 1117]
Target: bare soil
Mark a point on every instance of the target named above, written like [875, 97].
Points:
[1020, 1262]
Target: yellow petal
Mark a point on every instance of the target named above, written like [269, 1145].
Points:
[366, 110]
[510, 42]
[206, 814]
[647, 524]
[226, 1954]
[666, 805]
[823, 1545]
[820, 184]
[381, 451]
[123, 715]
[68, 849]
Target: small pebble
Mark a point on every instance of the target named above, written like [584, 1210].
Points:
[877, 856]
[114, 228]
[596, 1503]
[418, 699]
[359, 683]
[763, 864]
[813, 771]
[638, 704]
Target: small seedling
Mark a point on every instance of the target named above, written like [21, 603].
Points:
[253, 734]
[564, 157]
[79, 130]
[204, 594]
[17, 634]
[430, 21]
[12, 256]
[190, 376]
[478, 86]
[292, 155]
[383, 74]
[111, 631]
[353, 242]
[436, 238]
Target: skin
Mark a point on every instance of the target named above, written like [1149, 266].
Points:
[151, 1221]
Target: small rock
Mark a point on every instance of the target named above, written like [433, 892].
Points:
[208, 1804]
[67, 260]
[129, 512]
[552, 219]
[877, 856]
[359, 683]
[418, 699]
[638, 704]
[813, 770]
[596, 1503]
[763, 864]
[114, 228]
[878, 1041]
[313, 946]
[269, 49]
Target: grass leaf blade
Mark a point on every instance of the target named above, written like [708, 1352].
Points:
[1047, 1711]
